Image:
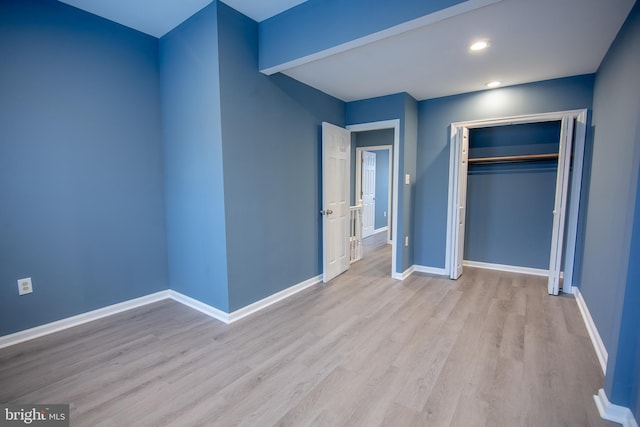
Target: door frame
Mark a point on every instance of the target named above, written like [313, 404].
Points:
[395, 125]
[573, 205]
[359, 151]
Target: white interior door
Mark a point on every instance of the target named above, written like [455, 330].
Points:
[336, 153]
[461, 204]
[560, 205]
[368, 193]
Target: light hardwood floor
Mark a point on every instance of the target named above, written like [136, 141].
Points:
[491, 349]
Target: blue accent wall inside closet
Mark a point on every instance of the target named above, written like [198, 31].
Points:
[509, 216]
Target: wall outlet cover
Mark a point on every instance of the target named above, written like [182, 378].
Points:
[25, 286]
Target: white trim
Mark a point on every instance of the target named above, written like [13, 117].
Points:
[272, 299]
[380, 35]
[611, 412]
[89, 316]
[375, 147]
[380, 230]
[401, 276]
[574, 202]
[598, 345]
[508, 268]
[525, 118]
[580, 116]
[70, 322]
[430, 270]
[452, 201]
[193, 303]
[560, 205]
[395, 125]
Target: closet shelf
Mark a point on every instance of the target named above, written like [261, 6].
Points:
[513, 159]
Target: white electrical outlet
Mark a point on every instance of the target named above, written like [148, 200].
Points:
[25, 286]
[406, 241]
[385, 213]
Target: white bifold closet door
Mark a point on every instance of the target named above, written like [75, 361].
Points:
[560, 205]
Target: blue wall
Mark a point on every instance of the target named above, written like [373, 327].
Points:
[435, 118]
[403, 107]
[610, 276]
[317, 25]
[509, 206]
[623, 371]
[271, 146]
[196, 234]
[81, 184]
[382, 188]
[628, 370]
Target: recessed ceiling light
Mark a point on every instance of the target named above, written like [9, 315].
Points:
[493, 84]
[479, 45]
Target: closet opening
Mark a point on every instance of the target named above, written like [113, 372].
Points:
[511, 182]
[514, 193]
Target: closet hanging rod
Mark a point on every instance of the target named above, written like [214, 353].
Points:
[510, 159]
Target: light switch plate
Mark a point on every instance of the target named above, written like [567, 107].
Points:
[407, 179]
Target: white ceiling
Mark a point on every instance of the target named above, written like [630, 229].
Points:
[531, 40]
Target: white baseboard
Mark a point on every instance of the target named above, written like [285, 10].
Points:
[207, 309]
[381, 229]
[272, 299]
[89, 316]
[246, 310]
[615, 413]
[69, 322]
[419, 269]
[508, 268]
[598, 345]
[404, 274]
[430, 270]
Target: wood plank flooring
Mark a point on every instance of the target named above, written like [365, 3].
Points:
[491, 349]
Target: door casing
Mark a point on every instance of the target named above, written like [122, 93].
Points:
[388, 148]
[395, 125]
[456, 167]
